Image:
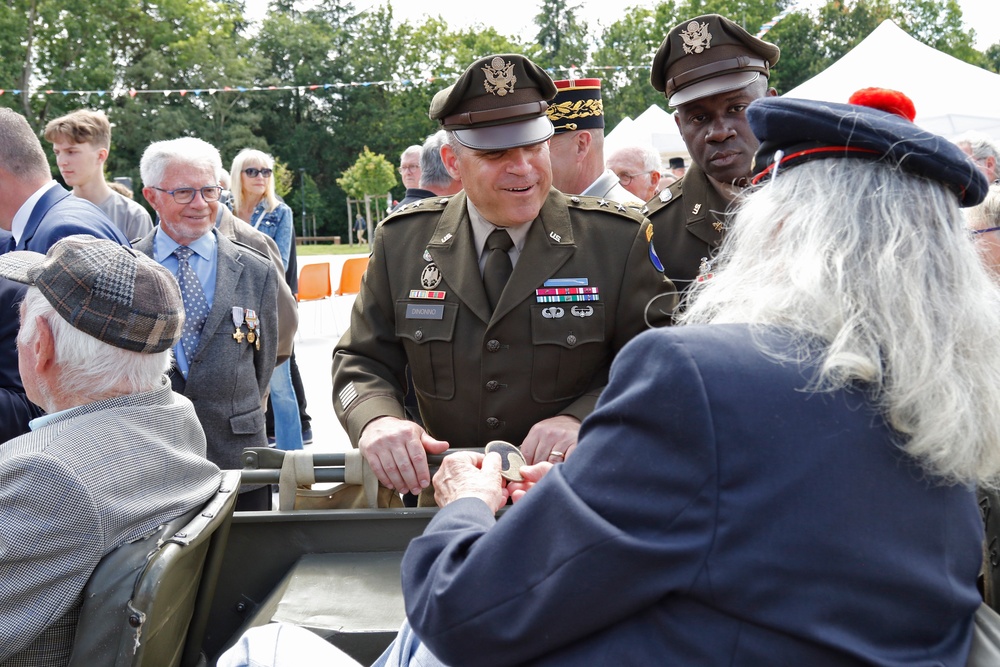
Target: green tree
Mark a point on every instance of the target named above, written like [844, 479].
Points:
[371, 174]
[561, 40]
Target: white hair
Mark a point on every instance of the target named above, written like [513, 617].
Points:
[90, 367]
[186, 150]
[986, 214]
[877, 266]
[645, 155]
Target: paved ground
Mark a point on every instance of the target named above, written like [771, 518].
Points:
[320, 326]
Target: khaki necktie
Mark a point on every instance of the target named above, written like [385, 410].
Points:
[498, 265]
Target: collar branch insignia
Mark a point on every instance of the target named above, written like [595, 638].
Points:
[500, 77]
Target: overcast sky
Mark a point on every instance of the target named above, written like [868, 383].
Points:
[516, 17]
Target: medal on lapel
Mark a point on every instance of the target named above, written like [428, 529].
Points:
[238, 321]
[252, 335]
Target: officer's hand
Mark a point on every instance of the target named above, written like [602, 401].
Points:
[532, 475]
[551, 439]
[396, 451]
[470, 475]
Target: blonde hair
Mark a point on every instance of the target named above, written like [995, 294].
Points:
[250, 157]
[82, 126]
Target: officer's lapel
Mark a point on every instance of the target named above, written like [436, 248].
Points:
[705, 209]
[548, 246]
[451, 248]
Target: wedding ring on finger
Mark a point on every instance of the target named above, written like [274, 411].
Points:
[559, 456]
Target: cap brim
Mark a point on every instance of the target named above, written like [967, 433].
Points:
[17, 266]
[510, 135]
[718, 84]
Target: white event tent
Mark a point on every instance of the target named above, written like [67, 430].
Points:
[951, 96]
[655, 127]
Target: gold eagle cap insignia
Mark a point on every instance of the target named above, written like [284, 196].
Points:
[696, 38]
[500, 77]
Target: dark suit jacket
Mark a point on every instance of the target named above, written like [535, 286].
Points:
[227, 379]
[713, 513]
[481, 376]
[15, 408]
[58, 214]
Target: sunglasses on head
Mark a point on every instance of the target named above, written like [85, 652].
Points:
[253, 172]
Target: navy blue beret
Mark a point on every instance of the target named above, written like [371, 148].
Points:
[804, 130]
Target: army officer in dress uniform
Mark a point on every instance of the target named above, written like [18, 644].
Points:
[508, 301]
[710, 69]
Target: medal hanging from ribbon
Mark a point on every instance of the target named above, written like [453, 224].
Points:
[238, 322]
[253, 336]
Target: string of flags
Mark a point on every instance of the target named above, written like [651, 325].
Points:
[766, 27]
[198, 92]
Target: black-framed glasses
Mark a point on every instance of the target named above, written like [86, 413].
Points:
[983, 231]
[254, 172]
[186, 195]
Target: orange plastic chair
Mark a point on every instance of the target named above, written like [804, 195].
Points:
[350, 280]
[314, 285]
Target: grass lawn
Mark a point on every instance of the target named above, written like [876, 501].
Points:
[331, 249]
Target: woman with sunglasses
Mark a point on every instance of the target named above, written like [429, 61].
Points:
[255, 202]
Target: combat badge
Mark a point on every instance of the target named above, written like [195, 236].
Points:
[500, 77]
[430, 277]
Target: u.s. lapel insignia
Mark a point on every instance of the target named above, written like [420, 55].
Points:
[430, 277]
[697, 207]
[696, 38]
[555, 237]
[500, 77]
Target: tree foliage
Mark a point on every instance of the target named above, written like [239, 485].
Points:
[371, 174]
[349, 81]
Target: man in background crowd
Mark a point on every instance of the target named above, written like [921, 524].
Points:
[637, 169]
[81, 142]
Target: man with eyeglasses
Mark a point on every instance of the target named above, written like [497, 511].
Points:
[409, 171]
[224, 359]
[637, 169]
[35, 212]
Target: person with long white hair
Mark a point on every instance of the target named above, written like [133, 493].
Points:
[788, 477]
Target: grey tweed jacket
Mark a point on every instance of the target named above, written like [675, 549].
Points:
[94, 478]
[228, 379]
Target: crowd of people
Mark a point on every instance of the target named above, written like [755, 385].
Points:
[754, 398]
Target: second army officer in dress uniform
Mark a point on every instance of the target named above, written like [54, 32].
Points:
[522, 360]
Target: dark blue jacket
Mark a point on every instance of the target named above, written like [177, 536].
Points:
[713, 513]
[59, 214]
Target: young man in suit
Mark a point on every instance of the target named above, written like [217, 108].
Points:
[225, 358]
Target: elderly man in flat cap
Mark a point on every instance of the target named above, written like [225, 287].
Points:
[507, 301]
[710, 69]
[577, 147]
[117, 454]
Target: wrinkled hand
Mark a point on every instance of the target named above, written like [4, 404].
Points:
[396, 450]
[470, 475]
[532, 475]
[551, 439]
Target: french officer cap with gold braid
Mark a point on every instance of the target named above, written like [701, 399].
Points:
[498, 103]
[577, 106]
[709, 55]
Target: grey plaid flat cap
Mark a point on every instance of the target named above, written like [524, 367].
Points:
[116, 294]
